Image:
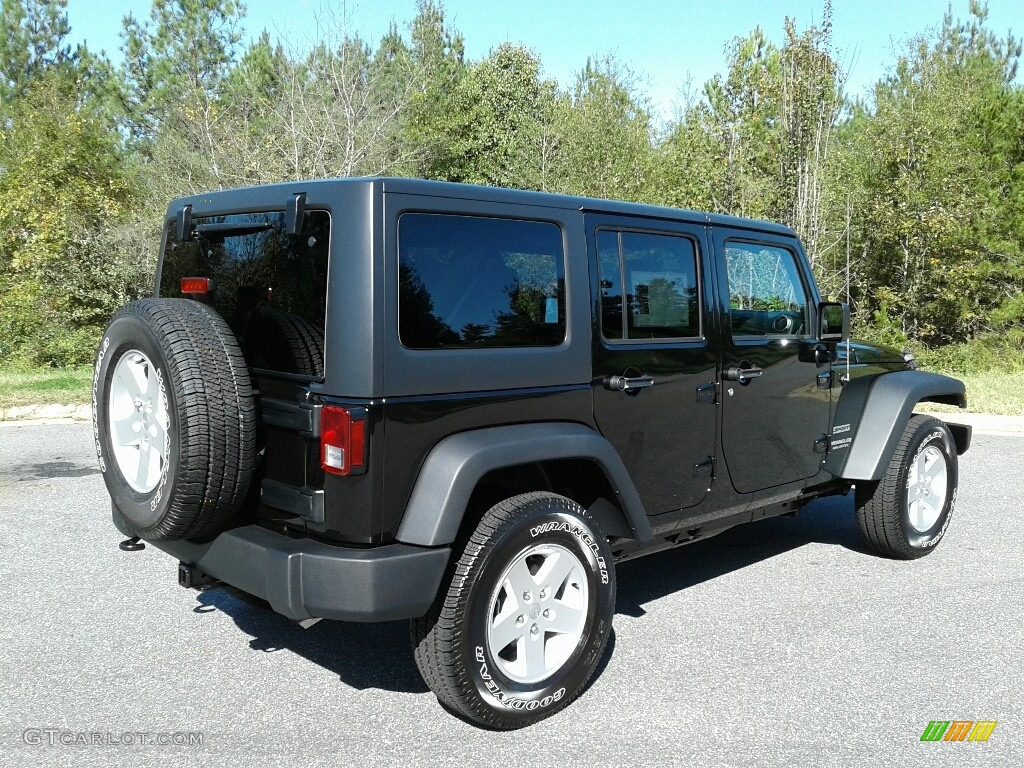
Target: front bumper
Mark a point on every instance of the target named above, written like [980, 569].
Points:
[303, 578]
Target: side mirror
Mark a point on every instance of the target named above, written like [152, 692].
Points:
[835, 321]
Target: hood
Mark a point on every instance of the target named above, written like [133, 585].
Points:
[862, 353]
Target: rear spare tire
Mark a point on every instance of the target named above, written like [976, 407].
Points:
[174, 419]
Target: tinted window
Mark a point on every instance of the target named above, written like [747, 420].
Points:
[766, 295]
[610, 274]
[469, 282]
[648, 285]
[271, 288]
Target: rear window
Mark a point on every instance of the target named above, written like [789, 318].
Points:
[269, 287]
[469, 282]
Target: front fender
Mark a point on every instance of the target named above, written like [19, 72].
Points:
[455, 465]
[872, 413]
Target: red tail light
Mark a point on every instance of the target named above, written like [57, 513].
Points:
[195, 286]
[343, 440]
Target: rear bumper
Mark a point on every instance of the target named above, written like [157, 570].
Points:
[303, 578]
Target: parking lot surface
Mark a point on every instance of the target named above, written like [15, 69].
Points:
[775, 644]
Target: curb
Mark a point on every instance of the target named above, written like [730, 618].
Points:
[985, 423]
[45, 413]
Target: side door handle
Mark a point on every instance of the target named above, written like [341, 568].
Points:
[743, 372]
[628, 384]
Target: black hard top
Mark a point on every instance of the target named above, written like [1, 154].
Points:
[272, 196]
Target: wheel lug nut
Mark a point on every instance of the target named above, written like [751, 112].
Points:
[520, 620]
[546, 614]
[534, 630]
[544, 594]
[528, 597]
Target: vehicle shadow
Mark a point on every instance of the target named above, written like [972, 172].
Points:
[361, 655]
[380, 655]
[826, 521]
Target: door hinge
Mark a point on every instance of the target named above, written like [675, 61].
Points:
[707, 393]
[821, 444]
[825, 380]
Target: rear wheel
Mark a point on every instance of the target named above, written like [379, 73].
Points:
[526, 617]
[905, 515]
[174, 419]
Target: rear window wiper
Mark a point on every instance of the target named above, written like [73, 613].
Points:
[232, 229]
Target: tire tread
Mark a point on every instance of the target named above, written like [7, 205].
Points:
[879, 504]
[216, 413]
[437, 635]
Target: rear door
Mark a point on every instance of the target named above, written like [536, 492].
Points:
[654, 361]
[271, 288]
[775, 373]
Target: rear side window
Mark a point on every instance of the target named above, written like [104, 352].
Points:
[269, 287]
[648, 286]
[468, 282]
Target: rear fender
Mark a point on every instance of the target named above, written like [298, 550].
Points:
[453, 468]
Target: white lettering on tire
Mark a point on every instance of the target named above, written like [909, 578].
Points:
[579, 532]
[167, 443]
[95, 402]
[511, 701]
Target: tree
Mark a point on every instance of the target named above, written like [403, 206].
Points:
[62, 189]
[939, 237]
[438, 53]
[810, 106]
[178, 61]
[603, 132]
[744, 111]
[33, 41]
[34, 44]
[492, 128]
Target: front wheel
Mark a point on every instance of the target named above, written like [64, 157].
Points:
[905, 515]
[526, 617]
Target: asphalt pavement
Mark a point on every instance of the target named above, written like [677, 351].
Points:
[781, 643]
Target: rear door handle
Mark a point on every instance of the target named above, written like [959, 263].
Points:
[628, 384]
[743, 372]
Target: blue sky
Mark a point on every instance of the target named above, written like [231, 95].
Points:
[665, 42]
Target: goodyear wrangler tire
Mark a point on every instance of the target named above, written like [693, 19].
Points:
[174, 419]
[526, 618]
[905, 515]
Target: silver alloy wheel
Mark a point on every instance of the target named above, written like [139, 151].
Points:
[927, 487]
[538, 612]
[138, 421]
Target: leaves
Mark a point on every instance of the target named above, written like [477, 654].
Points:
[939, 226]
[911, 203]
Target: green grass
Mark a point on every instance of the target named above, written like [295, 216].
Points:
[990, 392]
[63, 386]
[987, 392]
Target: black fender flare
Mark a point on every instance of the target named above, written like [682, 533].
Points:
[874, 410]
[455, 465]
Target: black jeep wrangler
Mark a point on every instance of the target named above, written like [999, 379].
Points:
[379, 399]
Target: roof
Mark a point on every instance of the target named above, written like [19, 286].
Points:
[263, 194]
